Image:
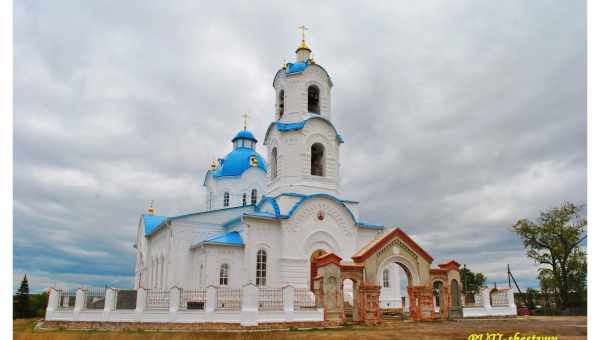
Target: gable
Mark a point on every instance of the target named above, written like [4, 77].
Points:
[384, 240]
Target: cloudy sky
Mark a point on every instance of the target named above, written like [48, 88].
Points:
[459, 117]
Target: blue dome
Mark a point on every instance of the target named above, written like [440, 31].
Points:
[296, 67]
[244, 134]
[238, 161]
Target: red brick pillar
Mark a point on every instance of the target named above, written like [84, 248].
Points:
[370, 312]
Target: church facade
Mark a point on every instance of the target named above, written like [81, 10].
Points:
[268, 218]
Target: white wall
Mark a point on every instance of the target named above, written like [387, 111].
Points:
[253, 178]
[294, 158]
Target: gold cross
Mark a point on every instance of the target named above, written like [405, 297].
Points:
[245, 116]
[303, 29]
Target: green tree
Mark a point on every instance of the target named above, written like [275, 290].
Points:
[471, 282]
[22, 309]
[555, 241]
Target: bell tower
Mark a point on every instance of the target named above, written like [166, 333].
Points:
[302, 87]
[302, 142]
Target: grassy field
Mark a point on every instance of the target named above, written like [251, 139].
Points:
[565, 328]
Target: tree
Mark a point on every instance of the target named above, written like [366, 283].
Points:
[22, 308]
[471, 282]
[555, 241]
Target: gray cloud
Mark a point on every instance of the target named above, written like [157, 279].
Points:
[459, 118]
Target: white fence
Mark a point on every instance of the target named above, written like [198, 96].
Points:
[247, 306]
[489, 302]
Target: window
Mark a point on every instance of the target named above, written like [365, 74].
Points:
[386, 278]
[224, 274]
[226, 199]
[317, 153]
[313, 99]
[280, 103]
[244, 199]
[274, 163]
[261, 268]
[253, 196]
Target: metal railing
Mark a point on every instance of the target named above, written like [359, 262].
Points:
[66, 298]
[499, 298]
[126, 299]
[192, 299]
[228, 299]
[157, 299]
[304, 299]
[473, 300]
[95, 297]
[270, 299]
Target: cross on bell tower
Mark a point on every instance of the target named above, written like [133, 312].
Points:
[303, 51]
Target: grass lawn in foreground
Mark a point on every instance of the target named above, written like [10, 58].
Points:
[565, 328]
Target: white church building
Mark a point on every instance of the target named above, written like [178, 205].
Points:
[267, 217]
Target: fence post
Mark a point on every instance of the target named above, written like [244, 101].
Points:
[288, 302]
[140, 303]
[249, 313]
[52, 300]
[79, 303]
[485, 298]
[511, 301]
[174, 294]
[109, 302]
[211, 302]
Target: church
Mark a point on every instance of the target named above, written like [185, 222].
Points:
[268, 217]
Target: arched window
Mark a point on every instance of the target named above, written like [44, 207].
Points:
[226, 199]
[280, 103]
[224, 275]
[253, 196]
[244, 199]
[274, 163]
[317, 154]
[261, 268]
[313, 99]
[386, 279]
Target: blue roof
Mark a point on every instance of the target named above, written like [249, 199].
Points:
[296, 67]
[232, 238]
[303, 198]
[285, 127]
[244, 134]
[151, 222]
[238, 161]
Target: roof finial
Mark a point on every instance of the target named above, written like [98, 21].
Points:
[150, 208]
[245, 116]
[303, 28]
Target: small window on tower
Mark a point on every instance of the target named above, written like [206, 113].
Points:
[280, 103]
[313, 99]
[274, 163]
[317, 154]
[244, 199]
[253, 196]
[226, 199]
